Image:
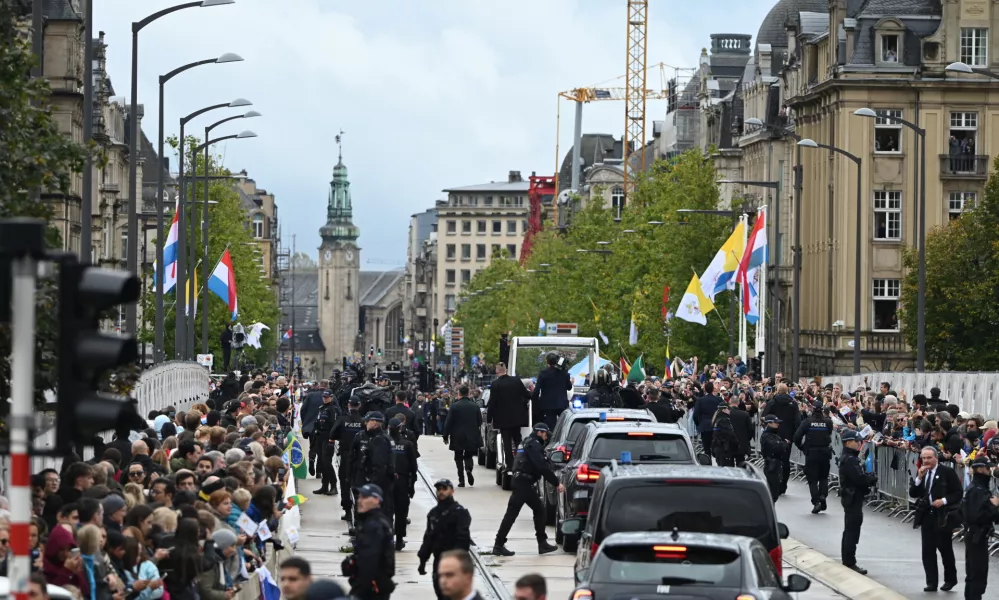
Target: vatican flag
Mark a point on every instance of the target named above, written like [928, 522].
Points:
[695, 305]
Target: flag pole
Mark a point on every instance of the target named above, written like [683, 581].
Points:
[742, 292]
[761, 304]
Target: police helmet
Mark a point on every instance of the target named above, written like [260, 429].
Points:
[602, 377]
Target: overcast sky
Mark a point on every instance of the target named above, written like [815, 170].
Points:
[431, 93]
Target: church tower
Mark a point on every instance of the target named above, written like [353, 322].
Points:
[339, 271]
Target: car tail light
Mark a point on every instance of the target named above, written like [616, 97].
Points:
[670, 552]
[582, 595]
[584, 474]
[745, 597]
[640, 434]
[777, 555]
[615, 418]
[593, 550]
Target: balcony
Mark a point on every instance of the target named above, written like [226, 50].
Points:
[964, 166]
[110, 188]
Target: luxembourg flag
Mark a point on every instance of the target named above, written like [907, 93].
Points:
[222, 283]
[169, 257]
[749, 268]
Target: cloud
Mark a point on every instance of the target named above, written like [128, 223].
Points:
[432, 94]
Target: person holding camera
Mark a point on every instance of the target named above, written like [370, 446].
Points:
[549, 396]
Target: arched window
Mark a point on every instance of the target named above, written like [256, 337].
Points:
[617, 201]
[258, 225]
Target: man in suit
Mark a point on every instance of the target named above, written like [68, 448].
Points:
[507, 411]
[742, 424]
[463, 428]
[550, 392]
[938, 492]
[704, 411]
[456, 576]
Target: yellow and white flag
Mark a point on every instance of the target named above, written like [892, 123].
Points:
[695, 305]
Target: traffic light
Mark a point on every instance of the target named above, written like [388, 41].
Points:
[379, 352]
[85, 354]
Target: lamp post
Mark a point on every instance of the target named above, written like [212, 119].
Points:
[131, 260]
[180, 330]
[225, 58]
[808, 143]
[735, 222]
[921, 294]
[796, 278]
[960, 67]
[204, 225]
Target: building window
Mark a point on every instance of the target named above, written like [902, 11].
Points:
[452, 227]
[962, 142]
[489, 201]
[466, 227]
[617, 201]
[888, 215]
[974, 46]
[889, 48]
[511, 227]
[258, 226]
[450, 276]
[450, 252]
[888, 133]
[449, 302]
[511, 249]
[523, 225]
[466, 252]
[886, 294]
[480, 226]
[494, 250]
[466, 276]
[960, 202]
[497, 227]
[480, 252]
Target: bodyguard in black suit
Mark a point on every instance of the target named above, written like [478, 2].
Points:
[938, 492]
[463, 428]
[550, 395]
[507, 411]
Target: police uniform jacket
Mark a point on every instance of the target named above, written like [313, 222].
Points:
[530, 462]
[405, 460]
[980, 516]
[345, 430]
[448, 528]
[374, 554]
[815, 433]
[854, 481]
[373, 459]
[409, 414]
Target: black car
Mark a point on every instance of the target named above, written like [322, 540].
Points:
[596, 445]
[684, 565]
[698, 499]
[568, 426]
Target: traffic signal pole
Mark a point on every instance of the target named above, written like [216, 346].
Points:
[23, 245]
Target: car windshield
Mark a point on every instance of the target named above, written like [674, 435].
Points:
[579, 423]
[701, 508]
[645, 446]
[671, 564]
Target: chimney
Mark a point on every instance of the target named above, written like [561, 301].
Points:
[514, 177]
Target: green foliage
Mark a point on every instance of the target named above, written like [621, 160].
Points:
[227, 227]
[962, 289]
[632, 277]
[34, 155]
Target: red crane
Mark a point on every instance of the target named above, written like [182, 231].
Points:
[542, 187]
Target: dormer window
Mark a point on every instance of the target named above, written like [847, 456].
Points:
[889, 42]
[889, 48]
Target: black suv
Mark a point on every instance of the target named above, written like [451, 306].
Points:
[698, 499]
[568, 426]
[688, 565]
[596, 445]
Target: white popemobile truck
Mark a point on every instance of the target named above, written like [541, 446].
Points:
[527, 359]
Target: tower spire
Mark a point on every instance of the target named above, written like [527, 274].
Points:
[339, 144]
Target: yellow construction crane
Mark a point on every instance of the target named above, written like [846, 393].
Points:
[635, 90]
[598, 93]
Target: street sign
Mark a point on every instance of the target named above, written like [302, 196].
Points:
[298, 359]
[206, 360]
[567, 329]
[457, 340]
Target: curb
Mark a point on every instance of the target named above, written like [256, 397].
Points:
[833, 574]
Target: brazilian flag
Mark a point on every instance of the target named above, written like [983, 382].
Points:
[294, 457]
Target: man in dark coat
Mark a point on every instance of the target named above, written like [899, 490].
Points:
[463, 428]
[704, 412]
[507, 411]
[742, 424]
[786, 409]
[309, 412]
[550, 395]
[401, 408]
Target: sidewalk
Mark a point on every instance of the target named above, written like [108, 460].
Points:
[889, 549]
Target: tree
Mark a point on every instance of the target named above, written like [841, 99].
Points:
[227, 229]
[629, 279]
[962, 288]
[34, 155]
[301, 260]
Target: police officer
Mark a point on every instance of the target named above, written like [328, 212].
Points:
[448, 528]
[981, 513]
[404, 487]
[343, 433]
[324, 454]
[814, 438]
[372, 565]
[854, 485]
[602, 394]
[724, 443]
[406, 432]
[373, 460]
[529, 466]
[772, 448]
[401, 408]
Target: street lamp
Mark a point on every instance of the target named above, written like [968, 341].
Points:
[808, 143]
[964, 68]
[225, 58]
[204, 227]
[180, 344]
[131, 260]
[921, 293]
[205, 271]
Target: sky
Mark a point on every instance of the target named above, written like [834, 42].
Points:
[430, 94]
